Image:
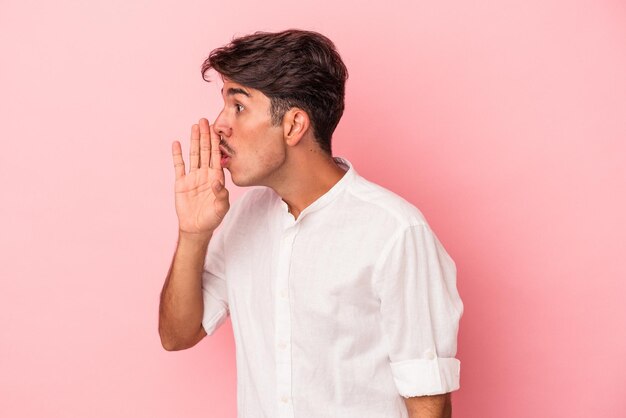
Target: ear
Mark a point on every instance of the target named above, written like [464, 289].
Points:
[296, 123]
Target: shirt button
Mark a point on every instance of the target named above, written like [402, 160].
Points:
[284, 399]
[283, 294]
[282, 345]
[430, 355]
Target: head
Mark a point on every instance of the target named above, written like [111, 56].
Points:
[279, 89]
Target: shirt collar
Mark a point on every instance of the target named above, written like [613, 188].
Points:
[331, 194]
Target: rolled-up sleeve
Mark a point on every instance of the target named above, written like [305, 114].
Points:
[420, 309]
[214, 289]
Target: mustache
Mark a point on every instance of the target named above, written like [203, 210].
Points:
[226, 146]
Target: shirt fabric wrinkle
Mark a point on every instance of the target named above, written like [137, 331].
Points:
[339, 313]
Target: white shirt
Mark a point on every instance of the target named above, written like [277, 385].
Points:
[337, 314]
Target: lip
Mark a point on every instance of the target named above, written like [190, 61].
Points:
[224, 157]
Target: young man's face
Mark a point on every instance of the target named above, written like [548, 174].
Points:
[252, 149]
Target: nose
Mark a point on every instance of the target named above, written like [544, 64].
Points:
[222, 126]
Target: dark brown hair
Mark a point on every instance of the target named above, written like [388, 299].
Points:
[294, 68]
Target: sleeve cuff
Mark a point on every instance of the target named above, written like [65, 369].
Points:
[212, 323]
[419, 377]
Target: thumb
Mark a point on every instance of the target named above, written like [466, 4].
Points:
[218, 187]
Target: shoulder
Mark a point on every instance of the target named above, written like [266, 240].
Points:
[383, 203]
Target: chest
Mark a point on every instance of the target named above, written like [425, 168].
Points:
[320, 268]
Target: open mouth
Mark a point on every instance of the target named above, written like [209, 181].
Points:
[225, 152]
[224, 159]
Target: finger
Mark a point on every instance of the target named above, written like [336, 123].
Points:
[205, 143]
[221, 204]
[219, 190]
[216, 154]
[179, 164]
[194, 149]
[221, 196]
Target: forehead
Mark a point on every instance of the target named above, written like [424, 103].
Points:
[233, 90]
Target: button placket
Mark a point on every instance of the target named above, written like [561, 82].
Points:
[282, 333]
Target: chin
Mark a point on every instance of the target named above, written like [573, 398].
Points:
[242, 182]
[260, 173]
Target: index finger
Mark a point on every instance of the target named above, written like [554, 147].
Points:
[205, 146]
[216, 154]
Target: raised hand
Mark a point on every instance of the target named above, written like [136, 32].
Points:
[200, 195]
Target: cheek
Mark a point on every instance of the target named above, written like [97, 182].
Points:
[270, 151]
[260, 139]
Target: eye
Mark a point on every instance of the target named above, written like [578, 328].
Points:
[238, 107]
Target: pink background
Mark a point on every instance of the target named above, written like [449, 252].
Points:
[504, 122]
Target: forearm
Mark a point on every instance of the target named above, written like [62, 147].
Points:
[435, 406]
[181, 305]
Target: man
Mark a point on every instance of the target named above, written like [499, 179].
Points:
[342, 299]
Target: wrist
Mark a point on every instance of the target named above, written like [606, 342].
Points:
[195, 237]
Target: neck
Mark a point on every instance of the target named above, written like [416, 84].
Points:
[308, 176]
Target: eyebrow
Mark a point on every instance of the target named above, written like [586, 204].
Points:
[235, 90]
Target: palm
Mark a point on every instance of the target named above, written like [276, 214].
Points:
[199, 207]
